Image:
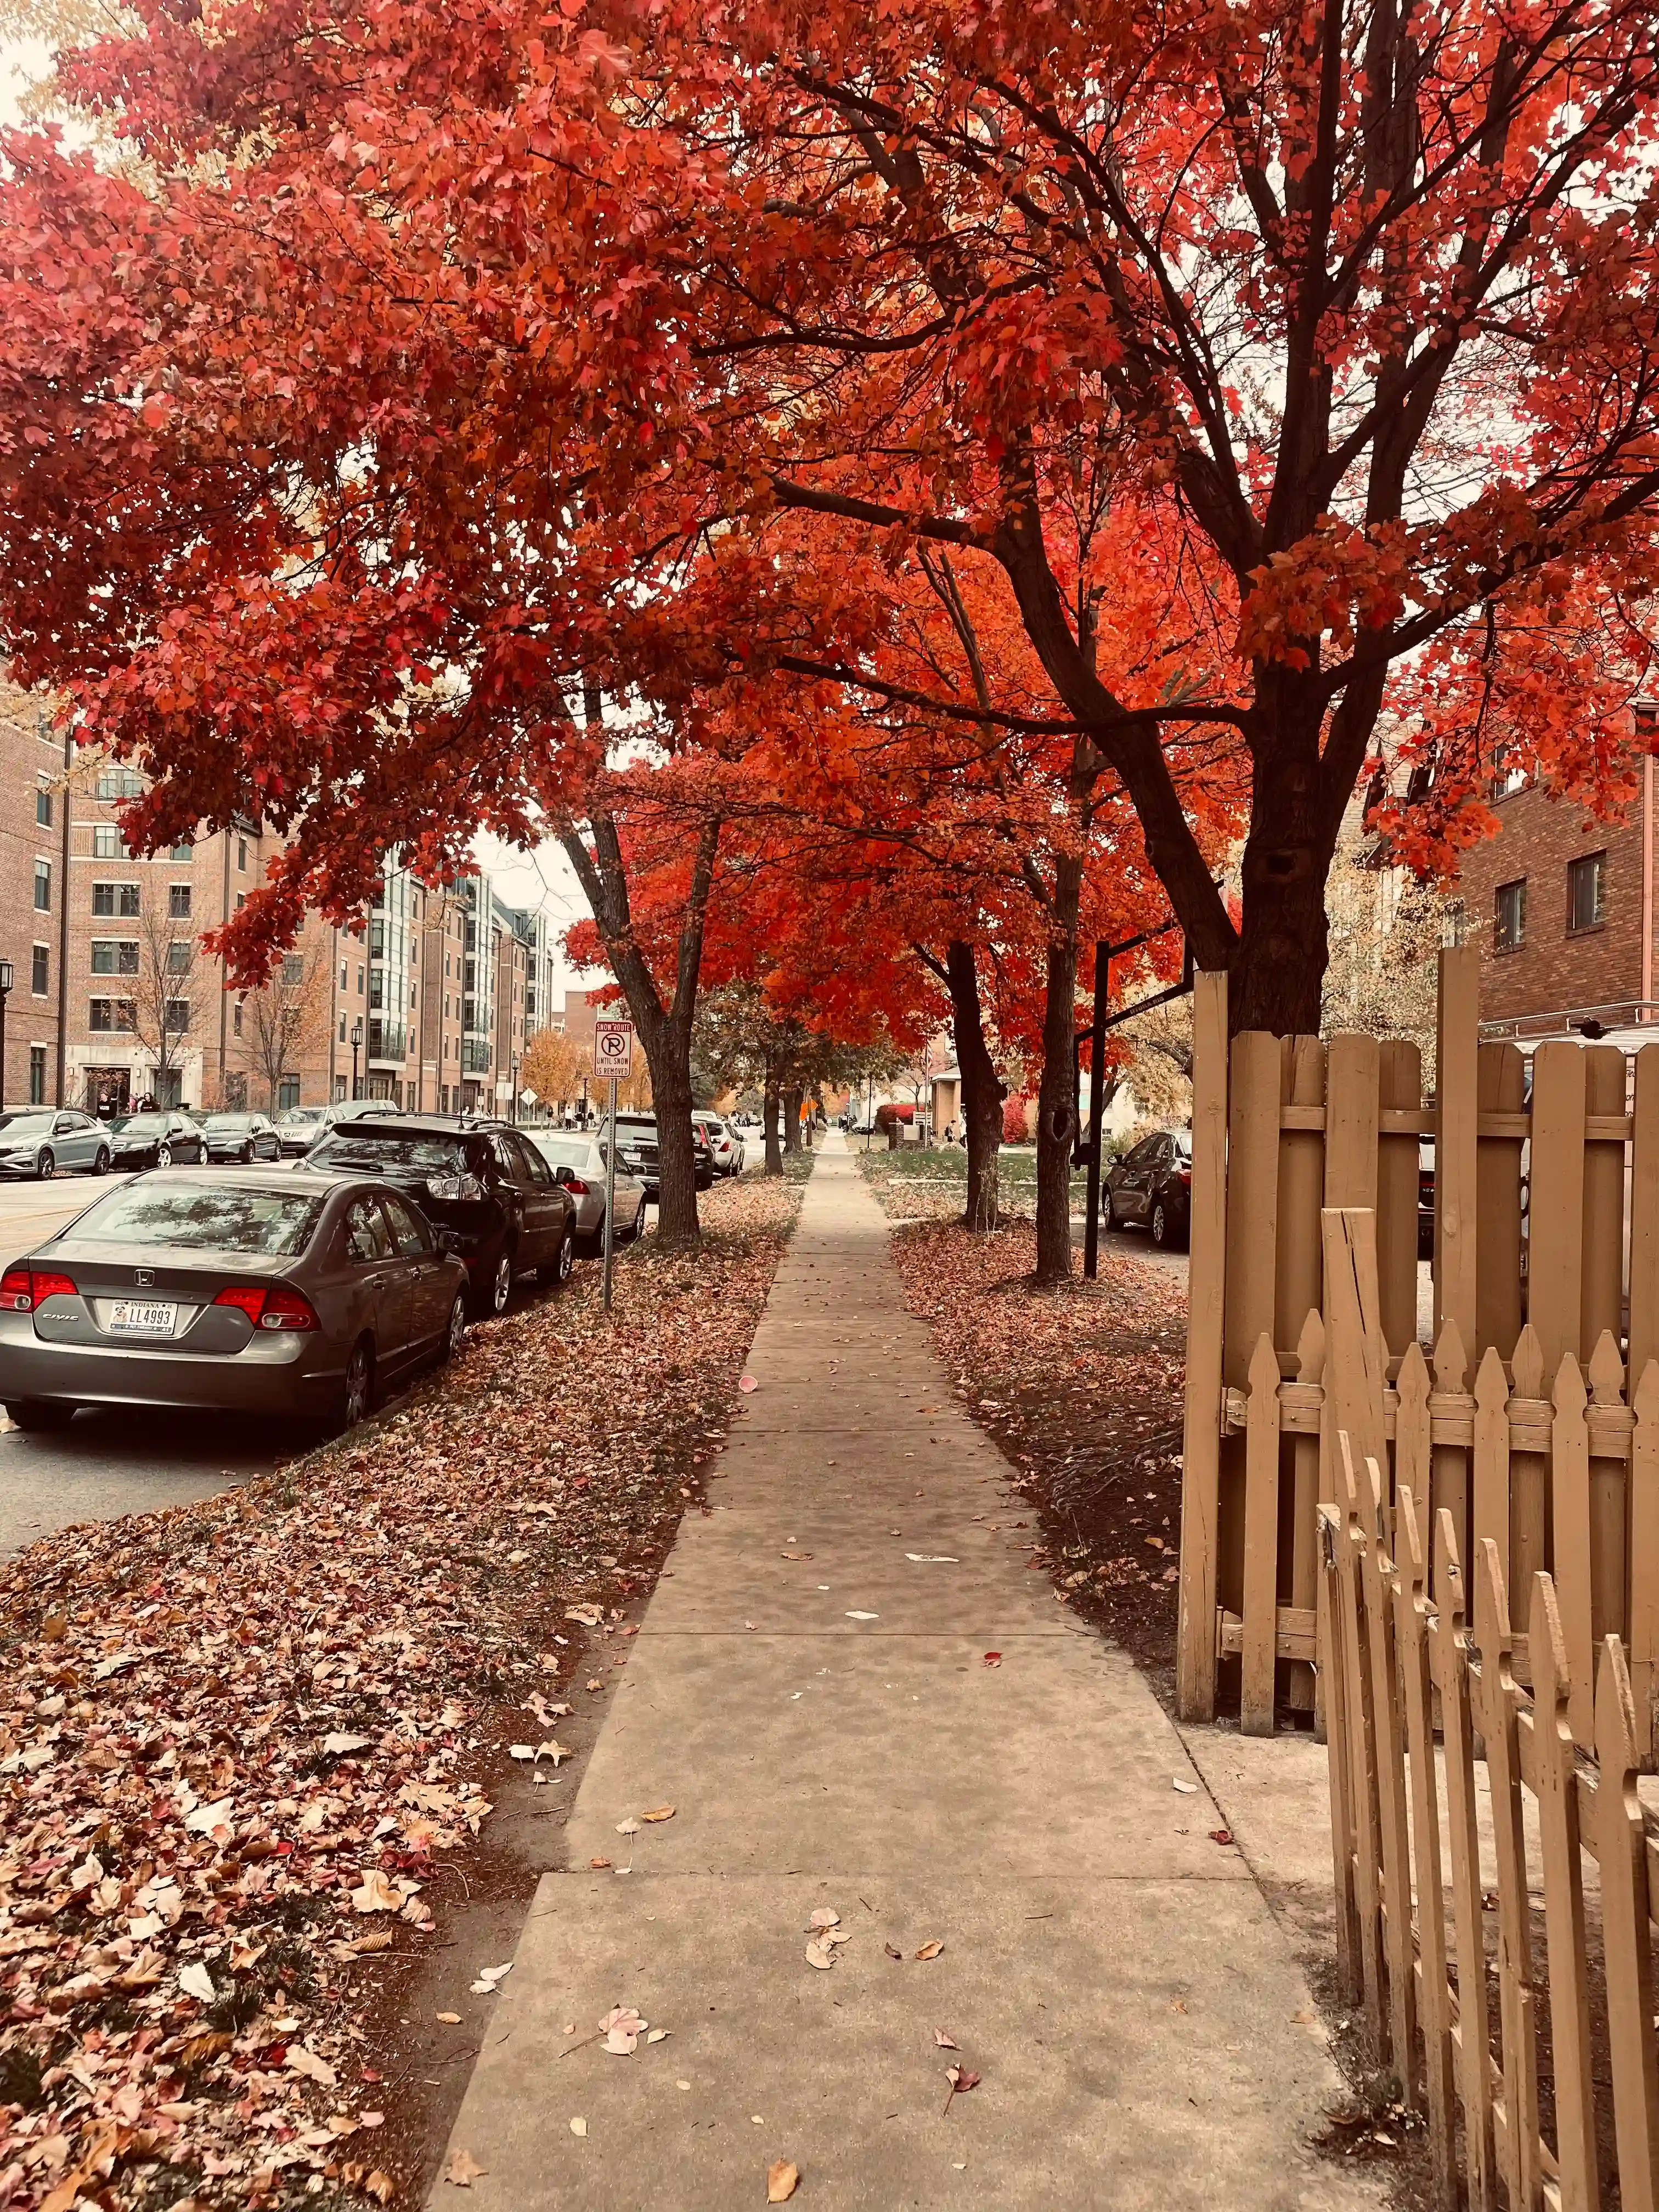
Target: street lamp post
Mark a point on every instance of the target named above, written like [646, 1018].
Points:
[357, 1046]
[6, 980]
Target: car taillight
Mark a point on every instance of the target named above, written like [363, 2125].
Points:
[1184, 1172]
[276, 1307]
[22, 1289]
[576, 1186]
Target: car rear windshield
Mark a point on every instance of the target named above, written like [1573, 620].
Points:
[144, 1125]
[226, 1122]
[204, 1216]
[377, 1151]
[563, 1152]
[17, 1123]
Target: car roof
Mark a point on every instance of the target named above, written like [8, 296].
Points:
[429, 1125]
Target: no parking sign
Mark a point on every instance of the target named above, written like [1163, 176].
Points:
[613, 1050]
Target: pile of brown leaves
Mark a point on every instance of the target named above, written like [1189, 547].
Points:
[237, 1739]
[1081, 1387]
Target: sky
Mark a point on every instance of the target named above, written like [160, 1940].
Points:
[543, 879]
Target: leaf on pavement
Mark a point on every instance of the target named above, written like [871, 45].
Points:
[658, 1813]
[944, 2041]
[931, 1950]
[781, 2180]
[195, 1982]
[464, 2169]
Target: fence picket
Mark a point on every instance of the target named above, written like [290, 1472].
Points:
[1609, 1502]
[1474, 2009]
[1456, 1160]
[1643, 1343]
[1626, 1936]
[1645, 1556]
[1491, 1457]
[1341, 1727]
[1411, 1644]
[1450, 1462]
[1601, 1306]
[1529, 1515]
[1570, 1438]
[1400, 1087]
[1260, 1593]
[1361, 1746]
[1555, 1690]
[1304, 1687]
[1498, 1314]
[1556, 1205]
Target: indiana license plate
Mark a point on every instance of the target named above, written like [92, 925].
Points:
[141, 1317]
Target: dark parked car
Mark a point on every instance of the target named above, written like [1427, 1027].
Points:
[479, 1181]
[637, 1150]
[156, 1140]
[244, 1289]
[244, 1137]
[1151, 1188]
[42, 1141]
[1425, 1198]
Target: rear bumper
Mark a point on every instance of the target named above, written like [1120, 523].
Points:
[273, 1375]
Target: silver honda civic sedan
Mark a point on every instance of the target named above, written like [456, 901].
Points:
[245, 1290]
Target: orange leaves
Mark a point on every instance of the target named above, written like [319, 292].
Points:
[1337, 580]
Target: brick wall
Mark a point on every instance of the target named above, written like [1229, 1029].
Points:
[1553, 969]
[31, 761]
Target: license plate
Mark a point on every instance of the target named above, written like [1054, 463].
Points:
[141, 1317]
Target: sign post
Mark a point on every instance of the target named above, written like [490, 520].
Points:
[613, 1059]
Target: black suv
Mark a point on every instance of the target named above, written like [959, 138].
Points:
[637, 1150]
[491, 1195]
[1153, 1187]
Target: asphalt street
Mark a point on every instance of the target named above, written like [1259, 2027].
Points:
[109, 1462]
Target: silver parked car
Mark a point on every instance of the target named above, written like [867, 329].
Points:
[578, 1163]
[724, 1142]
[43, 1141]
[247, 1290]
[298, 1128]
[244, 1137]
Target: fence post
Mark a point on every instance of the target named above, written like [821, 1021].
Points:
[1260, 1596]
[1555, 1268]
[1200, 1478]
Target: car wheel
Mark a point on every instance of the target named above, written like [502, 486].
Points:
[1163, 1228]
[246, 1155]
[566, 1261]
[45, 1167]
[638, 1230]
[1110, 1211]
[164, 1156]
[37, 1413]
[100, 1165]
[455, 1335]
[501, 1283]
[356, 1387]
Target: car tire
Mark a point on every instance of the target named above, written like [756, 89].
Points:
[638, 1230]
[164, 1156]
[100, 1165]
[35, 1414]
[45, 1167]
[566, 1261]
[1109, 1211]
[454, 1335]
[356, 1398]
[500, 1289]
[1161, 1230]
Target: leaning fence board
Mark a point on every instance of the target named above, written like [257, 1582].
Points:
[1457, 1102]
[1392, 1813]
[1556, 1698]
[1352, 1073]
[1627, 1937]
[1354, 1381]
[1571, 1487]
[1200, 1476]
[1412, 1643]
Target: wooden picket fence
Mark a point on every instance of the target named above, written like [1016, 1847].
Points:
[1546, 1299]
[1414, 1912]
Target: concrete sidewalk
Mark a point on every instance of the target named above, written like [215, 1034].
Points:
[809, 1692]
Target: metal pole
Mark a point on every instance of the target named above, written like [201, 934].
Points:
[609, 1186]
[2, 1050]
[1097, 1047]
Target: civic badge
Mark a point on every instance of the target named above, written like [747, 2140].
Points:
[143, 1277]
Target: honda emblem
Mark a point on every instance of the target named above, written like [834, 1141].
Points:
[143, 1277]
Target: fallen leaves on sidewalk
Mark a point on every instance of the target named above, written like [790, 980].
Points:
[465, 2170]
[781, 2180]
[239, 1738]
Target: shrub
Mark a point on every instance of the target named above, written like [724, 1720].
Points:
[1014, 1119]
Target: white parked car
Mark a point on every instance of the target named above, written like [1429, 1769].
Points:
[723, 1142]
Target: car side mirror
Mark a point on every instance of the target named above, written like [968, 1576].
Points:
[564, 1175]
[449, 1241]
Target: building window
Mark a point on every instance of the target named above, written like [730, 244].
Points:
[178, 959]
[37, 1075]
[43, 805]
[106, 841]
[178, 1015]
[107, 1015]
[180, 851]
[119, 783]
[241, 856]
[178, 901]
[345, 976]
[40, 972]
[236, 1018]
[1454, 923]
[287, 1093]
[1587, 892]
[121, 899]
[293, 972]
[1509, 916]
[114, 956]
[43, 887]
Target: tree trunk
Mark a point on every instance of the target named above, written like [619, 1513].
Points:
[1277, 968]
[1056, 1098]
[667, 1047]
[771, 1107]
[792, 1098]
[983, 1090]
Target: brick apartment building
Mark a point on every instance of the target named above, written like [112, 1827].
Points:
[1562, 906]
[429, 1003]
